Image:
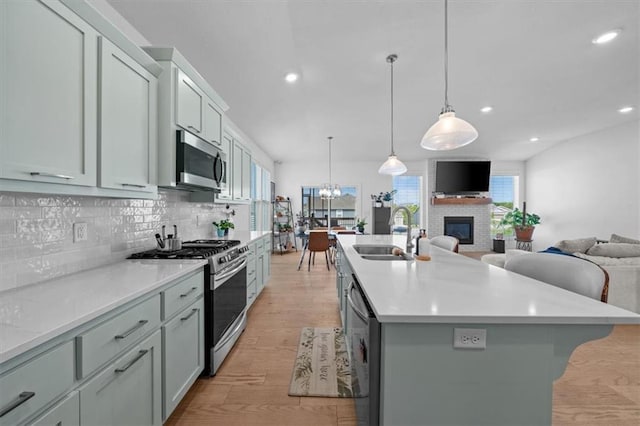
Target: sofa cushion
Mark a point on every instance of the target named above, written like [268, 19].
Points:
[580, 245]
[612, 261]
[618, 239]
[615, 250]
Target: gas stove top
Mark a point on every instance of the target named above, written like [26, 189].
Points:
[196, 249]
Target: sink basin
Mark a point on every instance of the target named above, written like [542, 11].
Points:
[375, 249]
[389, 257]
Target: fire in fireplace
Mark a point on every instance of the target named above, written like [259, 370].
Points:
[460, 227]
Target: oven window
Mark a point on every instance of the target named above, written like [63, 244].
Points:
[197, 162]
[229, 300]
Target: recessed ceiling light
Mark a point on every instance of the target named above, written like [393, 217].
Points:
[486, 109]
[291, 77]
[606, 37]
[626, 109]
[534, 139]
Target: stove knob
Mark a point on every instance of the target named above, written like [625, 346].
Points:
[223, 259]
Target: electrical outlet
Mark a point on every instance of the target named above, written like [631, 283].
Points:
[470, 338]
[80, 232]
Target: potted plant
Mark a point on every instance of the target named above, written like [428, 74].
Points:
[223, 227]
[523, 223]
[360, 223]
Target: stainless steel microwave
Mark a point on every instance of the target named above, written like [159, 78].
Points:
[200, 165]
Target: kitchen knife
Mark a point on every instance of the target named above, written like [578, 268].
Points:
[159, 241]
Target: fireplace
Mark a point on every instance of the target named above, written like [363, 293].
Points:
[460, 227]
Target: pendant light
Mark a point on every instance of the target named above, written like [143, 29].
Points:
[449, 132]
[329, 191]
[392, 166]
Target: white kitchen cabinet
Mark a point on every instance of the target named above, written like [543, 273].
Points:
[128, 391]
[128, 127]
[65, 413]
[190, 104]
[183, 353]
[48, 91]
[212, 123]
[241, 172]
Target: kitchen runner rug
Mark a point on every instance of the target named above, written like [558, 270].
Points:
[322, 364]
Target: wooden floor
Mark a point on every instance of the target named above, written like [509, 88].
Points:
[601, 385]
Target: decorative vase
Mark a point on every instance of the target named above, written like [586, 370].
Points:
[386, 204]
[220, 232]
[524, 233]
[378, 204]
[361, 229]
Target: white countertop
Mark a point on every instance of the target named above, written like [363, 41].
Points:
[34, 314]
[451, 288]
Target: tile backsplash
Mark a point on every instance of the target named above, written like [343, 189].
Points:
[36, 230]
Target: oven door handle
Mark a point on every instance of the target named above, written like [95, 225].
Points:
[219, 279]
[231, 334]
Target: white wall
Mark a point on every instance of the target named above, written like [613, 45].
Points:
[587, 186]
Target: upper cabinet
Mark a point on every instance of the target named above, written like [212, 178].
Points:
[48, 91]
[77, 103]
[128, 122]
[240, 171]
[186, 101]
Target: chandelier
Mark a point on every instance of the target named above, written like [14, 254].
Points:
[329, 191]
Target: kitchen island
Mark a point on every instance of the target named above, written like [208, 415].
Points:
[531, 330]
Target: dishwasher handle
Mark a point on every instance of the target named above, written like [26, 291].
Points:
[358, 312]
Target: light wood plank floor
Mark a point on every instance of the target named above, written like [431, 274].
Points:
[601, 385]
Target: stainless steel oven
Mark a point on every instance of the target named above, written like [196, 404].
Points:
[200, 166]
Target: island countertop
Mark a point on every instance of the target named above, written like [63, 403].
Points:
[452, 288]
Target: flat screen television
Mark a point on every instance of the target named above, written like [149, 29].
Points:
[462, 177]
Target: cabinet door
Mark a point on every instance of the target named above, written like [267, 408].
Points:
[190, 102]
[212, 123]
[128, 109]
[260, 272]
[127, 392]
[183, 354]
[266, 185]
[48, 94]
[65, 413]
[246, 175]
[237, 171]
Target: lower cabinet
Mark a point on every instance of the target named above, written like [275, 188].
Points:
[65, 413]
[128, 391]
[183, 351]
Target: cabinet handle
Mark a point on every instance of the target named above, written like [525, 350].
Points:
[194, 129]
[131, 330]
[21, 399]
[189, 292]
[44, 174]
[133, 361]
[193, 312]
[134, 185]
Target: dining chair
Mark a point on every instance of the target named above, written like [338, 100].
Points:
[446, 242]
[571, 273]
[318, 241]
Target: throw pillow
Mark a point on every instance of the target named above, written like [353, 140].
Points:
[580, 245]
[618, 239]
[615, 250]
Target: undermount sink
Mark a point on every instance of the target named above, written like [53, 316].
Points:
[380, 252]
[375, 249]
[404, 257]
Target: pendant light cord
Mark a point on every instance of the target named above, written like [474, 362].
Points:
[447, 107]
[330, 183]
[392, 151]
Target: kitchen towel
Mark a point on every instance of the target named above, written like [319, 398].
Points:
[321, 367]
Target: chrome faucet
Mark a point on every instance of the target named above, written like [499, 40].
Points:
[393, 212]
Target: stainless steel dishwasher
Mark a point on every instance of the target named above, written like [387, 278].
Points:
[363, 341]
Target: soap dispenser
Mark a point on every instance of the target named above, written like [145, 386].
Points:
[421, 234]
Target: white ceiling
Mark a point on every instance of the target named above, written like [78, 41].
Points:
[533, 61]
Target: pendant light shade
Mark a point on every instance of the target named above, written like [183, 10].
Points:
[392, 166]
[449, 132]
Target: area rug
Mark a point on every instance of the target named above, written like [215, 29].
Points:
[322, 364]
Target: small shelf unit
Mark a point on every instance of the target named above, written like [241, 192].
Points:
[283, 237]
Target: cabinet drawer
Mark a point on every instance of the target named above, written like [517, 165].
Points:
[251, 292]
[251, 269]
[65, 413]
[259, 246]
[181, 295]
[36, 383]
[105, 341]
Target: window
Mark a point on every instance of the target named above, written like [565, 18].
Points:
[503, 191]
[343, 208]
[408, 193]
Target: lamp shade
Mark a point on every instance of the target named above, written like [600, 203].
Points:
[392, 166]
[449, 132]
